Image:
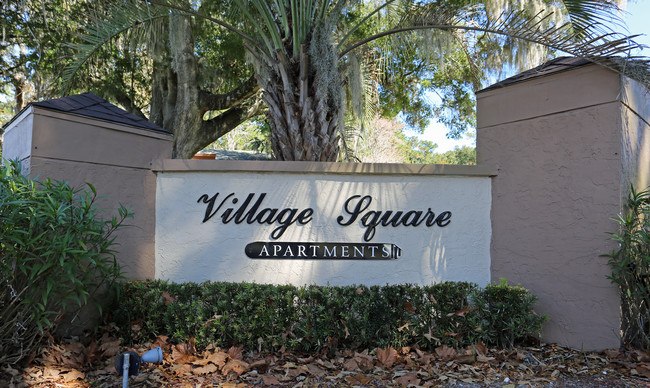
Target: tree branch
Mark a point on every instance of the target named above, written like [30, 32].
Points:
[215, 128]
[125, 101]
[210, 101]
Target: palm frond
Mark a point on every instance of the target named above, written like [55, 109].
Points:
[266, 28]
[365, 19]
[592, 16]
[119, 19]
[587, 43]
[349, 136]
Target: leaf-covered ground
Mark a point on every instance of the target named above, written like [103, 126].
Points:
[72, 364]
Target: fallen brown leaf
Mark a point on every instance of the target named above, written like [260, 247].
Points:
[230, 384]
[445, 353]
[92, 352]
[480, 348]
[110, 347]
[51, 372]
[73, 375]
[426, 360]
[181, 369]
[315, 371]
[237, 367]
[364, 361]
[261, 366]
[52, 356]
[408, 379]
[168, 298]
[612, 353]
[217, 358]
[387, 357]
[351, 365]
[200, 362]
[358, 379]
[183, 353]
[644, 370]
[270, 380]
[642, 356]
[482, 358]
[161, 341]
[205, 370]
[235, 353]
[465, 358]
[325, 364]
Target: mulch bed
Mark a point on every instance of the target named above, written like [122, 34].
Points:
[73, 364]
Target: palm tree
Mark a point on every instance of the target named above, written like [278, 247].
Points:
[300, 49]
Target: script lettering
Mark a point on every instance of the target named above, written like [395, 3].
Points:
[357, 208]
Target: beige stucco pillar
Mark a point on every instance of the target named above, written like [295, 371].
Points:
[114, 157]
[567, 145]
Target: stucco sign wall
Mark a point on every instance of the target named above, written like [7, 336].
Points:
[319, 228]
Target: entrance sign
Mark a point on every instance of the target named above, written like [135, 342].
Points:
[318, 228]
[558, 156]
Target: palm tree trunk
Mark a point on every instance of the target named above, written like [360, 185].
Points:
[303, 126]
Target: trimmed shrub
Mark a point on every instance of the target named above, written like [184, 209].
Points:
[504, 314]
[55, 256]
[260, 316]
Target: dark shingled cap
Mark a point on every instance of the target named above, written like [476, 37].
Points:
[553, 66]
[89, 105]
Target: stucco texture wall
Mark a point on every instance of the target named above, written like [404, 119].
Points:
[635, 141]
[558, 143]
[114, 158]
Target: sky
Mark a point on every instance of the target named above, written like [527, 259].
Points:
[637, 18]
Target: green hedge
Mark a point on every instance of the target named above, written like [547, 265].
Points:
[327, 317]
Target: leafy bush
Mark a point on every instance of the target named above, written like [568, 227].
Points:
[630, 265]
[55, 256]
[505, 313]
[326, 317]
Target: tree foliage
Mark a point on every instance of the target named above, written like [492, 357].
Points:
[133, 64]
[414, 150]
[303, 51]
[325, 68]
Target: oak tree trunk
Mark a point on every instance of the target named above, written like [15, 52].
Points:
[178, 104]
